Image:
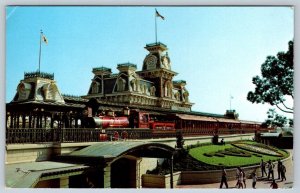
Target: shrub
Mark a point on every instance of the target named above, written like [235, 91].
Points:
[208, 154]
[219, 155]
[258, 148]
[237, 154]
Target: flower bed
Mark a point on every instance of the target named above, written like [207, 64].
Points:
[233, 156]
[258, 148]
[229, 152]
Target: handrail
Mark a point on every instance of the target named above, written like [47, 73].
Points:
[43, 135]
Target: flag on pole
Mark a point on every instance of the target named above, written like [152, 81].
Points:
[158, 15]
[45, 40]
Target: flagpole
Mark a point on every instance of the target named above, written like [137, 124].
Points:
[40, 52]
[155, 27]
[230, 98]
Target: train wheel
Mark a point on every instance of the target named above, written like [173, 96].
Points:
[116, 136]
[103, 137]
[124, 135]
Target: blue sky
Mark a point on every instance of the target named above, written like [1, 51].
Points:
[217, 50]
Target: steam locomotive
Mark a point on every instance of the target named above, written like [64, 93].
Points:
[131, 119]
[114, 126]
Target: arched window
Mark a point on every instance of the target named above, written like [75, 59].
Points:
[52, 91]
[186, 96]
[45, 89]
[141, 88]
[121, 84]
[152, 90]
[168, 89]
[23, 90]
[133, 84]
[95, 87]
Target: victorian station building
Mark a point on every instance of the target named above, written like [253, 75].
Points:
[65, 143]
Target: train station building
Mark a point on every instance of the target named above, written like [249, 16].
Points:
[49, 145]
[38, 102]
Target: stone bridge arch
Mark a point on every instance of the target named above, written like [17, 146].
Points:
[122, 163]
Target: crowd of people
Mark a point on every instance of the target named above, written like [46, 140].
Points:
[265, 167]
[281, 170]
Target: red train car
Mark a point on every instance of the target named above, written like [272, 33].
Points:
[111, 122]
[136, 119]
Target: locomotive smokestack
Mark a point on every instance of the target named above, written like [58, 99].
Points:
[126, 111]
[111, 113]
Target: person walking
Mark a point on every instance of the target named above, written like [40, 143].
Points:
[254, 179]
[271, 170]
[244, 177]
[263, 168]
[279, 166]
[224, 179]
[240, 178]
[237, 176]
[283, 171]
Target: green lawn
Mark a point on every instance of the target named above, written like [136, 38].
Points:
[229, 161]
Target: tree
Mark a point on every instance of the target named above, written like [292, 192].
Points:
[291, 122]
[275, 120]
[276, 82]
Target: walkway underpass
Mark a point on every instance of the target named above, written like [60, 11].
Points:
[119, 164]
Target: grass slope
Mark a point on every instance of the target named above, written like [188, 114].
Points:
[229, 161]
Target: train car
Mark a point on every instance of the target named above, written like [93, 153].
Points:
[132, 126]
[104, 122]
[145, 124]
[136, 119]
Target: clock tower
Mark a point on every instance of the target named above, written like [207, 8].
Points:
[153, 86]
[157, 58]
[157, 69]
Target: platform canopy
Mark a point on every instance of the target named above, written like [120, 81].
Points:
[28, 174]
[110, 151]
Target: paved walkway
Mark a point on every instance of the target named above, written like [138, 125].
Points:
[261, 183]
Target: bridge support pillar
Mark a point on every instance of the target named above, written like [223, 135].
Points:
[107, 173]
[64, 182]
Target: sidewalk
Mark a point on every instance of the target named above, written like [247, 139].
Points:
[261, 183]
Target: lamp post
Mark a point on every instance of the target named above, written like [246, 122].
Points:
[171, 171]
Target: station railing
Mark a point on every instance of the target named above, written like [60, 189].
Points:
[40, 135]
